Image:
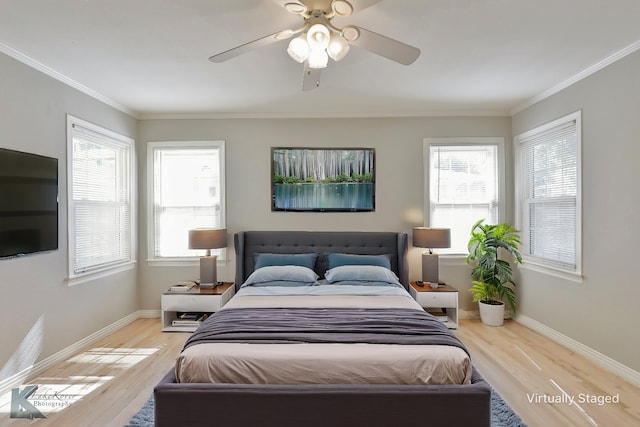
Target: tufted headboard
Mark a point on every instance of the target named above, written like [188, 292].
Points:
[248, 243]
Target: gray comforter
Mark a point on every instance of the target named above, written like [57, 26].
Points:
[323, 325]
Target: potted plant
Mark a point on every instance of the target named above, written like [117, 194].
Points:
[492, 275]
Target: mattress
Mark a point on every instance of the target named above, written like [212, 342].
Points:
[356, 360]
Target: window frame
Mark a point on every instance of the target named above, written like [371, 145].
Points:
[499, 142]
[151, 174]
[128, 144]
[529, 261]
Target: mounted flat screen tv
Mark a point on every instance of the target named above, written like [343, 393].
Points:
[28, 203]
[323, 179]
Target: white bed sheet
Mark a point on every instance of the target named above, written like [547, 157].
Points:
[322, 363]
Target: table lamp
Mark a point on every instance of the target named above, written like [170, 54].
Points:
[208, 238]
[424, 237]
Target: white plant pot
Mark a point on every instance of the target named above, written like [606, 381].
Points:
[491, 314]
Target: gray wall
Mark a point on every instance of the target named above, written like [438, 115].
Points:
[602, 311]
[399, 174]
[39, 313]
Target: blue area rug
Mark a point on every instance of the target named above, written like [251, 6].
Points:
[501, 414]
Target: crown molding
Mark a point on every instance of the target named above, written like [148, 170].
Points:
[576, 78]
[27, 60]
[323, 115]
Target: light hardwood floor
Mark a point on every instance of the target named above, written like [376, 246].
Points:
[109, 381]
[537, 377]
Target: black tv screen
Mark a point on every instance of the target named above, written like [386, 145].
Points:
[28, 203]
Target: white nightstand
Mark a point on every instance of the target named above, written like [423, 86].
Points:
[194, 300]
[445, 298]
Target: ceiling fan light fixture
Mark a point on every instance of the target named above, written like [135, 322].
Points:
[296, 8]
[298, 49]
[338, 47]
[318, 37]
[318, 58]
[341, 7]
[350, 33]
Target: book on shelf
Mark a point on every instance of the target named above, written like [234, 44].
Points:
[182, 286]
[179, 322]
[190, 315]
[189, 319]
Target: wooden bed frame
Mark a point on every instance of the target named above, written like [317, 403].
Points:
[242, 405]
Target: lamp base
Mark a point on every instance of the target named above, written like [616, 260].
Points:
[208, 272]
[430, 267]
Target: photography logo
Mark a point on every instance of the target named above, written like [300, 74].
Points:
[21, 407]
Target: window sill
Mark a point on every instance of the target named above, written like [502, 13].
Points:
[179, 262]
[555, 272]
[93, 275]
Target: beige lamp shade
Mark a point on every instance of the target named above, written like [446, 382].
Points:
[424, 237]
[208, 238]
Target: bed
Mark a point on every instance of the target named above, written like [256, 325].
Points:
[339, 387]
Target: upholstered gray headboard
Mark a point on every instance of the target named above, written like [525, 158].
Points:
[248, 243]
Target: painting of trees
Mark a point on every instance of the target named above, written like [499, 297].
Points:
[323, 179]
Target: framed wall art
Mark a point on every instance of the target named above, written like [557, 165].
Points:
[323, 179]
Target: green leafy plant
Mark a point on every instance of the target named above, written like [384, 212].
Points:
[491, 275]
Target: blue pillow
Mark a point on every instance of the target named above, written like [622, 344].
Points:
[267, 260]
[282, 275]
[370, 273]
[337, 260]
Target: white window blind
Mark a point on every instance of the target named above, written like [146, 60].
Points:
[100, 198]
[549, 188]
[463, 185]
[188, 192]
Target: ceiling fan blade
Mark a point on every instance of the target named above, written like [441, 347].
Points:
[384, 46]
[310, 77]
[247, 47]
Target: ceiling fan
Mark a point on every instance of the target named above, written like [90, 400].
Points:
[317, 38]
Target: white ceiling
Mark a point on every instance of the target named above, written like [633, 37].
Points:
[150, 57]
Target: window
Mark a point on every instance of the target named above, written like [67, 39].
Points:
[462, 185]
[548, 194]
[100, 198]
[186, 188]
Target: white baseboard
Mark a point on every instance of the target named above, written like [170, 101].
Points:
[149, 314]
[475, 314]
[35, 370]
[468, 315]
[606, 362]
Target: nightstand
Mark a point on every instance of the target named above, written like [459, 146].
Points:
[195, 300]
[445, 298]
